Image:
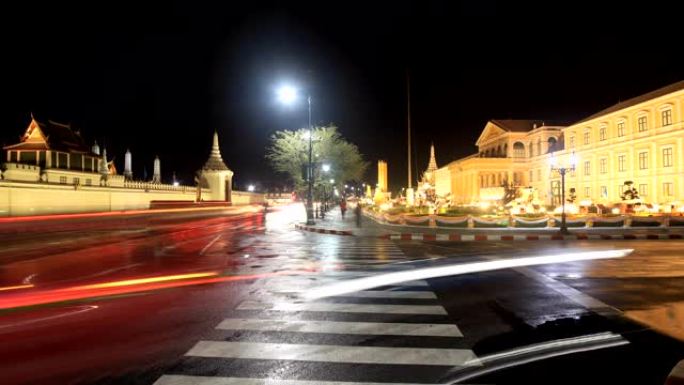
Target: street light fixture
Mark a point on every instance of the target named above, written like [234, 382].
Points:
[562, 170]
[288, 95]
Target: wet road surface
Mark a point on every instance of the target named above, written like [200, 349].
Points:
[219, 300]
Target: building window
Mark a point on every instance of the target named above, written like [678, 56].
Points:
[63, 180]
[621, 129]
[89, 182]
[539, 151]
[643, 190]
[603, 163]
[572, 141]
[539, 175]
[531, 149]
[518, 150]
[667, 157]
[666, 117]
[552, 144]
[77, 181]
[586, 137]
[643, 160]
[531, 175]
[621, 163]
[642, 123]
[604, 192]
[587, 192]
[668, 189]
[587, 167]
[602, 133]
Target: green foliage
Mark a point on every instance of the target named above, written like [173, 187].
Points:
[288, 154]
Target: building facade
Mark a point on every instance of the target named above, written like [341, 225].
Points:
[640, 140]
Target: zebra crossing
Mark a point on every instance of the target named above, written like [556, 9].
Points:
[398, 334]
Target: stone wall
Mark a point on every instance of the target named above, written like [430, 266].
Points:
[24, 198]
[17, 198]
[246, 198]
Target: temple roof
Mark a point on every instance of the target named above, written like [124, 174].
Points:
[215, 162]
[51, 136]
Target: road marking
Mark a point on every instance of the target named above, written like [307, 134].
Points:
[373, 294]
[321, 279]
[392, 294]
[343, 307]
[211, 243]
[334, 353]
[334, 327]
[203, 380]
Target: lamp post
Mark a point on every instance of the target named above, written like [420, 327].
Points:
[562, 170]
[287, 95]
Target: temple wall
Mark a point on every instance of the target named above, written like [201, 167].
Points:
[246, 198]
[17, 198]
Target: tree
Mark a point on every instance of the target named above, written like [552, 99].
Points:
[288, 154]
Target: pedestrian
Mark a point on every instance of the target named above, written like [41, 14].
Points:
[357, 211]
[343, 207]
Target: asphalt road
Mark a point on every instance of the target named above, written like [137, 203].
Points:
[216, 299]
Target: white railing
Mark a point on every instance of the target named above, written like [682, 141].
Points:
[156, 186]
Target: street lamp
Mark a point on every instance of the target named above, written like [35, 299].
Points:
[250, 188]
[287, 95]
[562, 170]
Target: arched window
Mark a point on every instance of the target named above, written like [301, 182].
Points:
[552, 144]
[505, 150]
[531, 149]
[518, 150]
[539, 151]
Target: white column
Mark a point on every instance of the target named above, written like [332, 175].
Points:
[680, 168]
[654, 166]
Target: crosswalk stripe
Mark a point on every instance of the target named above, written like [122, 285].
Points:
[203, 380]
[343, 307]
[331, 277]
[334, 353]
[376, 294]
[335, 327]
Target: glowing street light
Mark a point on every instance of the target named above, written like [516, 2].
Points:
[325, 168]
[332, 181]
[287, 94]
[562, 170]
[250, 188]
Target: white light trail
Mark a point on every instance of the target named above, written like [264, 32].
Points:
[367, 283]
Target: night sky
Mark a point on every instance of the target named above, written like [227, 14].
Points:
[159, 77]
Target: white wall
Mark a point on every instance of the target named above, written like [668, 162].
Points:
[245, 198]
[17, 198]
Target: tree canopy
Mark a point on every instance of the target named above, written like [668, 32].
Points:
[288, 153]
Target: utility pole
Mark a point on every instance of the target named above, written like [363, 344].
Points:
[408, 123]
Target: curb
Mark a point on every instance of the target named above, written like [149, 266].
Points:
[322, 231]
[522, 237]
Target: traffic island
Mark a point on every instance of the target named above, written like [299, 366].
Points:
[524, 237]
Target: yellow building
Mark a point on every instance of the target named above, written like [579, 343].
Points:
[639, 140]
